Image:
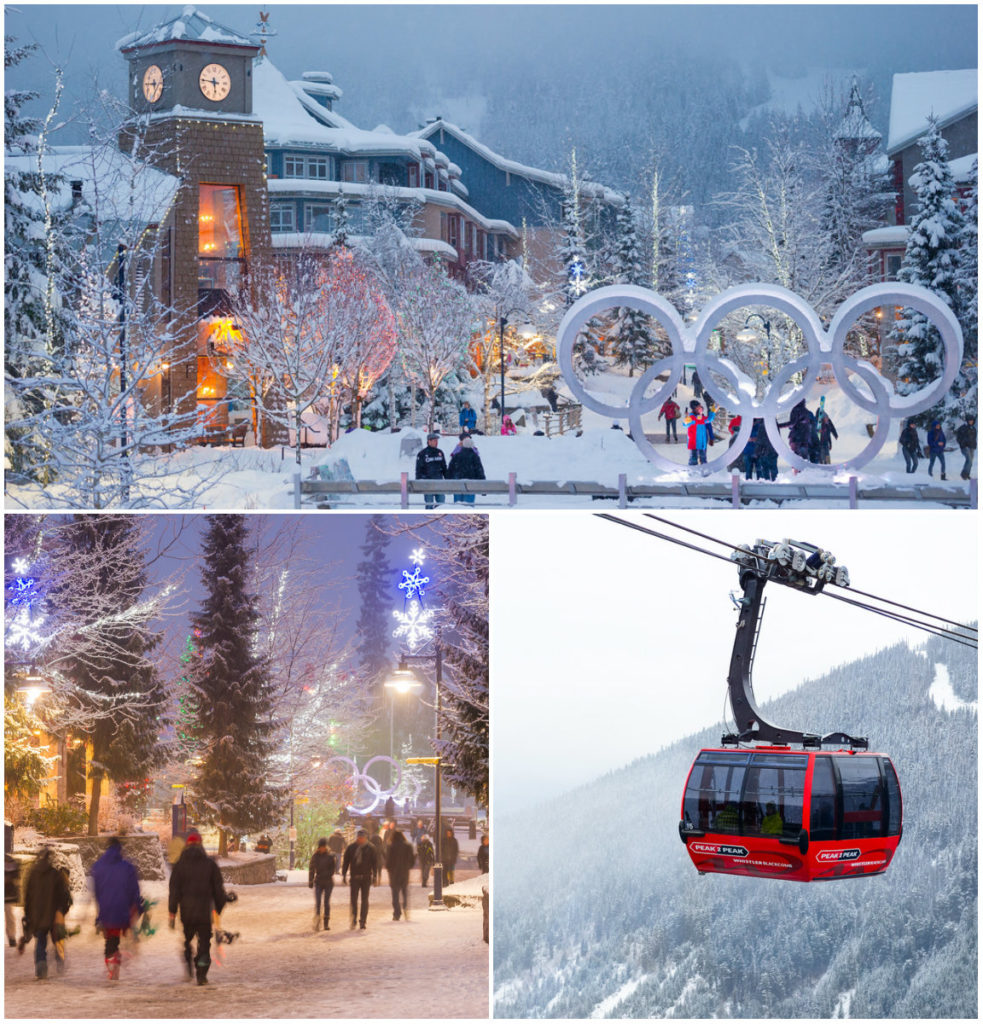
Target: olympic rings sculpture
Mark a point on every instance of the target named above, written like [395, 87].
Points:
[690, 345]
[362, 778]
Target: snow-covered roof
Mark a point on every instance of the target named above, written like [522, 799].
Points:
[281, 188]
[511, 166]
[115, 186]
[962, 168]
[946, 95]
[290, 121]
[191, 25]
[886, 238]
[855, 124]
[326, 239]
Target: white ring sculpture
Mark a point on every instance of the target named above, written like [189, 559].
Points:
[376, 792]
[690, 345]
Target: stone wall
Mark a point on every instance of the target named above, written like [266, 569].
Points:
[257, 870]
[143, 850]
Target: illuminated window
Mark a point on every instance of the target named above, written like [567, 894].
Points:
[220, 248]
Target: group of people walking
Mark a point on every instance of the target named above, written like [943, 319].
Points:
[362, 863]
[934, 449]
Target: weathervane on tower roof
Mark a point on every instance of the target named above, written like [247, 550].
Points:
[263, 32]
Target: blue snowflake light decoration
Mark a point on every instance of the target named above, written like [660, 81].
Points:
[413, 583]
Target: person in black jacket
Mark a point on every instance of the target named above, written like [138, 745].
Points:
[483, 851]
[45, 896]
[196, 887]
[448, 854]
[966, 439]
[320, 878]
[399, 860]
[11, 895]
[361, 865]
[911, 447]
[431, 465]
[466, 464]
[336, 844]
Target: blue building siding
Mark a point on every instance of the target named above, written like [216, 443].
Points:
[488, 192]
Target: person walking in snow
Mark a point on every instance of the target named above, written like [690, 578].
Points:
[697, 432]
[196, 890]
[800, 430]
[465, 464]
[670, 410]
[361, 866]
[336, 844]
[467, 418]
[826, 432]
[484, 850]
[399, 860]
[765, 455]
[118, 901]
[697, 387]
[966, 439]
[320, 878]
[449, 850]
[424, 854]
[936, 447]
[11, 896]
[46, 895]
[431, 465]
[911, 447]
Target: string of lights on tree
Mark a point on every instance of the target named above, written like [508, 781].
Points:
[414, 620]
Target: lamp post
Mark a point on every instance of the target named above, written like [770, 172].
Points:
[746, 334]
[502, 321]
[401, 681]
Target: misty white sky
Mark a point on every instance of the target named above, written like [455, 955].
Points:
[608, 644]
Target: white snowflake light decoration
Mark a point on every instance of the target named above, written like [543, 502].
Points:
[414, 624]
[413, 583]
[20, 566]
[416, 556]
[22, 630]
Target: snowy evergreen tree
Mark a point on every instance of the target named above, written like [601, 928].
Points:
[375, 602]
[340, 207]
[233, 689]
[463, 562]
[963, 397]
[634, 341]
[932, 259]
[117, 690]
[33, 325]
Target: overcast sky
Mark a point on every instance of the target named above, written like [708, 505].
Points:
[383, 56]
[608, 645]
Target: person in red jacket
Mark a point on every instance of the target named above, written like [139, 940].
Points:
[671, 412]
[697, 425]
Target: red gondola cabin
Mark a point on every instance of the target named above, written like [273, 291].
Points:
[798, 815]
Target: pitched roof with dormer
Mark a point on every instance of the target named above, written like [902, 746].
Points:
[855, 126]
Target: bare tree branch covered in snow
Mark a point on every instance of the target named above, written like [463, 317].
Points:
[436, 321]
[96, 431]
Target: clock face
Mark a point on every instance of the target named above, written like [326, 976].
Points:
[153, 83]
[214, 82]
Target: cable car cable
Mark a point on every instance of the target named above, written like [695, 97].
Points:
[934, 630]
[853, 590]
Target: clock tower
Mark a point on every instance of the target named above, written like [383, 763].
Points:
[190, 90]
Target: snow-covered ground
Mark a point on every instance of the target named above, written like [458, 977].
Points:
[433, 965]
[252, 478]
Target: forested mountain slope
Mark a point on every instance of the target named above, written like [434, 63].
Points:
[598, 910]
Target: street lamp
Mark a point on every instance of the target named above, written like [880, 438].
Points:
[401, 681]
[526, 331]
[746, 334]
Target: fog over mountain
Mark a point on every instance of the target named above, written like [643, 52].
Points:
[627, 85]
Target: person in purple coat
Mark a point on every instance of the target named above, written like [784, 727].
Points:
[117, 900]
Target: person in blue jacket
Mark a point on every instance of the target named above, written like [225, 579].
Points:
[697, 426]
[936, 447]
[467, 418]
[118, 900]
